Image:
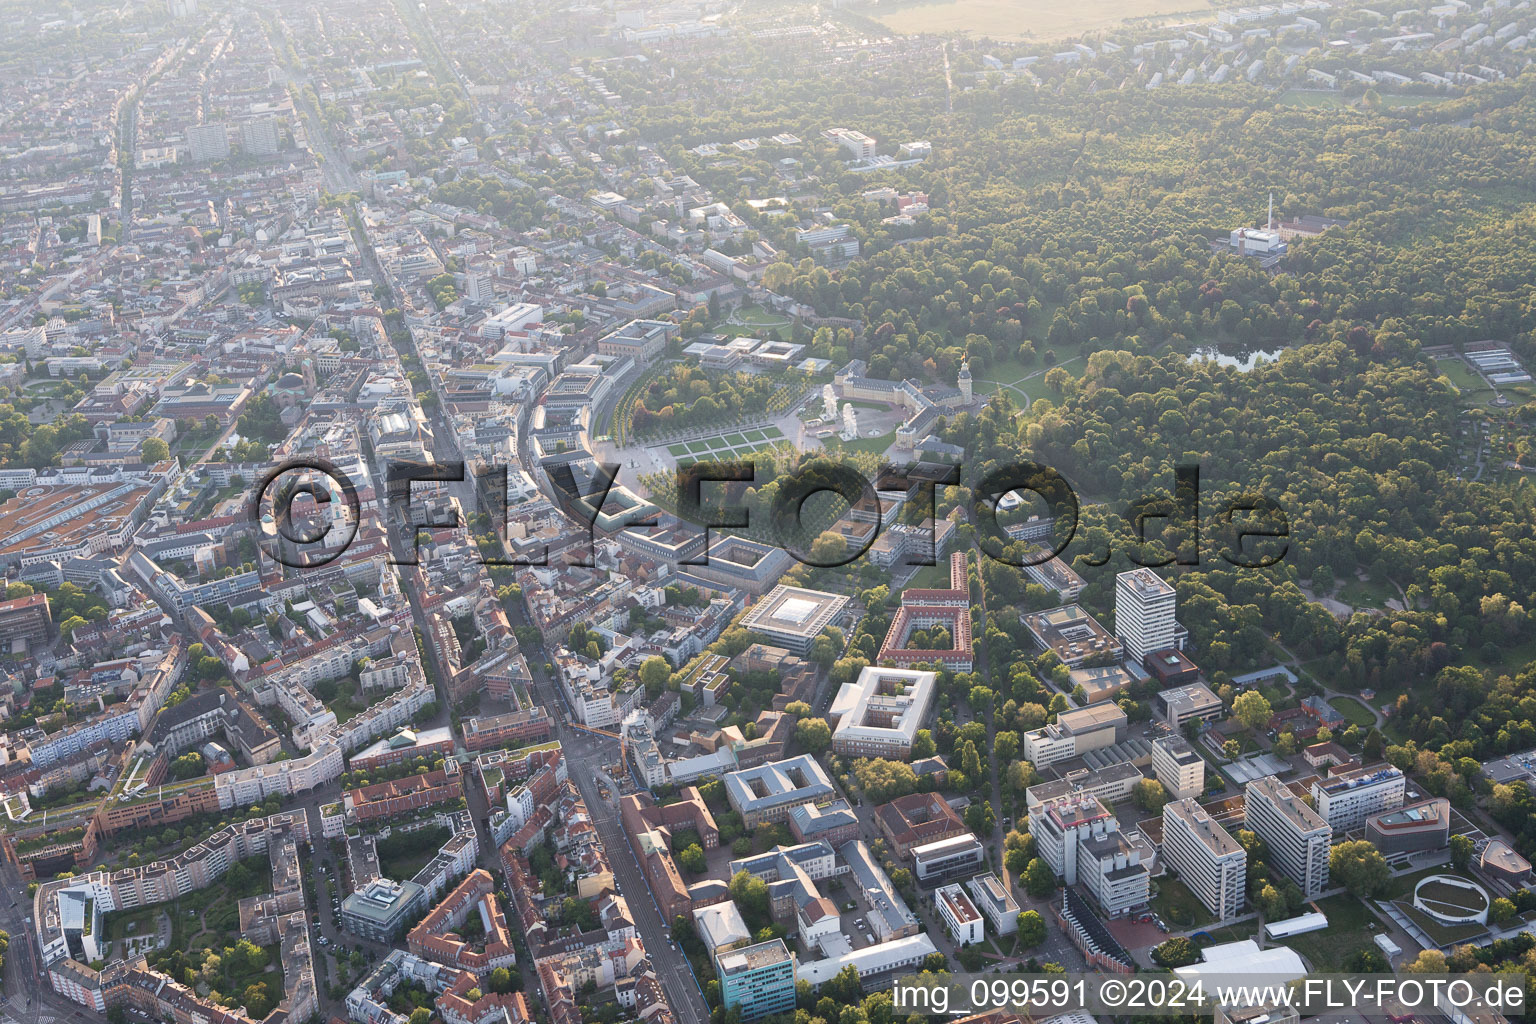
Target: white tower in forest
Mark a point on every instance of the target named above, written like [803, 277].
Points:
[964, 382]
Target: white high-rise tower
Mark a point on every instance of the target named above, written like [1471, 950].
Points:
[1144, 609]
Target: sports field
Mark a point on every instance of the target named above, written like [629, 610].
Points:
[1025, 19]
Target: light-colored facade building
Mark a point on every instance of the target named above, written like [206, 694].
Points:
[1346, 800]
[1144, 612]
[1212, 864]
[959, 914]
[1298, 837]
[879, 713]
[1178, 767]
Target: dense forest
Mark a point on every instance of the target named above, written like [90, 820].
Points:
[1069, 239]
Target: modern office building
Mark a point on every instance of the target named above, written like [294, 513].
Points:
[758, 980]
[1060, 825]
[947, 858]
[1074, 733]
[793, 617]
[959, 914]
[1298, 837]
[1081, 841]
[1110, 784]
[1212, 864]
[879, 713]
[1414, 828]
[1114, 872]
[1178, 767]
[380, 910]
[1144, 610]
[1193, 702]
[1346, 800]
[995, 902]
[1072, 634]
[26, 620]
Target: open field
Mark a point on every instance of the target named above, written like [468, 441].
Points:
[1353, 711]
[1021, 19]
[1351, 926]
[1178, 906]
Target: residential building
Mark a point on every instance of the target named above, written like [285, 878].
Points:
[758, 980]
[25, 621]
[1298, 837]
[1346, 800]
[208, 143]
[1212, 864]
[1144, 610]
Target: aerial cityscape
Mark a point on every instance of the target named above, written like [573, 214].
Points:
[694, 512]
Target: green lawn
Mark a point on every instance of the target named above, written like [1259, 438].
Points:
[1369, 592]
[873, 445]
[772, 433]
[1461, 375]
[1178, 906]
[698, 447]
[734, 439]
[1354, 711]
[755, 435]
[676, 450]
[1348, 930]
[1309, 98]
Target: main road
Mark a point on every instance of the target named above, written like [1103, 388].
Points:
[585, 754]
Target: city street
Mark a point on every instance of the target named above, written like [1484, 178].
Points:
[585, 753]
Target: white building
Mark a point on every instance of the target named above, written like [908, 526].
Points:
[1081, 841]
[1178, 767]
[959, 914]
[947, 858]
[880, 712]
[995, 902]
[1210, 862]
[1298, 837]
[1346, 800]
[1144, 610]
[208, 143]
